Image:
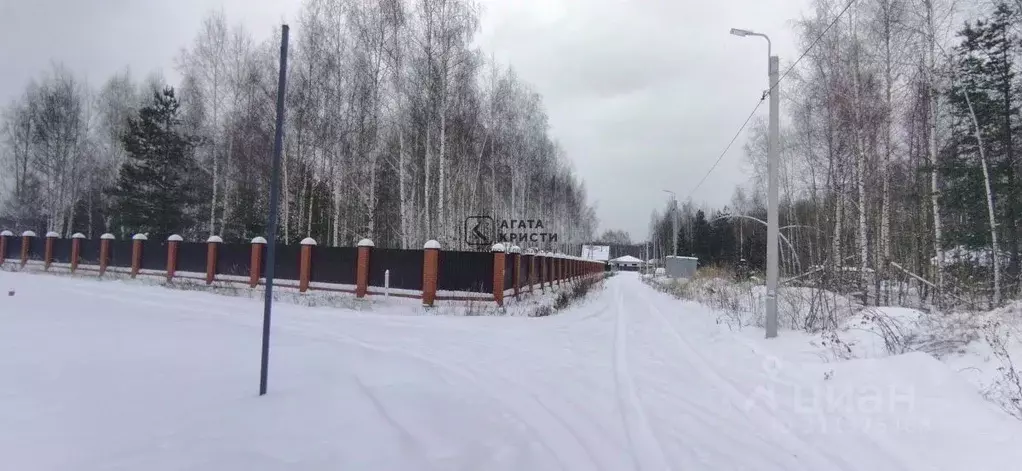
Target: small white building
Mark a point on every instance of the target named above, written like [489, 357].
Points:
[600, 253]
[626, 263]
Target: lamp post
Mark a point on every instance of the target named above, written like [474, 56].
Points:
[772, 199]
[674, 221]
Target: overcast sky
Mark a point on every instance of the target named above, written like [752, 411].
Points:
[642, 94]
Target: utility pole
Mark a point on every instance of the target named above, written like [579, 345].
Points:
[773, 230]
[773, 157]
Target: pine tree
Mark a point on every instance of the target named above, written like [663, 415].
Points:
[153, 189]
[985, 102]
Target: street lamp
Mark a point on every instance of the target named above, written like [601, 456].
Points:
[674, 220]
[772, 200]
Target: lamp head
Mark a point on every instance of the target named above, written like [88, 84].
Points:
[740, 32]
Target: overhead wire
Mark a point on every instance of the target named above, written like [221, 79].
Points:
[770, 90]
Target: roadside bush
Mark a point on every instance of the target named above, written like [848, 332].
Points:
[568, 295]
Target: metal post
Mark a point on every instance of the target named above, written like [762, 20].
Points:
[271, 224]
[772, 208]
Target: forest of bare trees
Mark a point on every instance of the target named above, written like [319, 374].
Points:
[398, 128]
[900, 148]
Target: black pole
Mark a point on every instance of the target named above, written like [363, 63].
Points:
[271, 224]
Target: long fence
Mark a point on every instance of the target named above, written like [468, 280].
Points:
[429, 274]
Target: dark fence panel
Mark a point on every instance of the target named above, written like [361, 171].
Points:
[334, 264]
[287, 261]
[13, 248]
[154, 255]
[526, 270]
[509, 271]
[62, 250]
[36, 248]
[120, 253]
[465, 271]
[191, 256]
[234, 259]
[405, 268]
[88, 252]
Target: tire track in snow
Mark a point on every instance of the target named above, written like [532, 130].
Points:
[515, 410]
[405, 437]
[518, 409]
[650, 454]
[522, 413]
[224, 309]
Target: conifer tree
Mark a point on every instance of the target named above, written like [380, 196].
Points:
[153, 186]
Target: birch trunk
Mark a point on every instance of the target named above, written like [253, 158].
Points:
[885, 204]
[990, 204]
[931, 86]
[442, 186]
[402, 185]
[428, 219]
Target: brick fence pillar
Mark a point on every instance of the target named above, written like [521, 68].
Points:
[256, 261]
[305, 269]
[498, 273]
[172, 244]
[48, 250]
[104, 252]
[516, 268]
[136, 253]
[430, 270]
[3, 245]
[365, 249]
[212, 247]
[26, 241]
[76, 250]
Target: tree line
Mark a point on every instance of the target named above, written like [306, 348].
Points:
[900, 147]
[398, 129]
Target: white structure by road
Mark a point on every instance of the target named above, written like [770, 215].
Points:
[626, 262]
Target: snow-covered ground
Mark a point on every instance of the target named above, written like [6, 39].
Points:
[101, 375]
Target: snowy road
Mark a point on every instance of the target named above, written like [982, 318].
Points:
[118, 376]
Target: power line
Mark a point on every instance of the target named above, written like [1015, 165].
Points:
[729, 144]
[770, 90]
